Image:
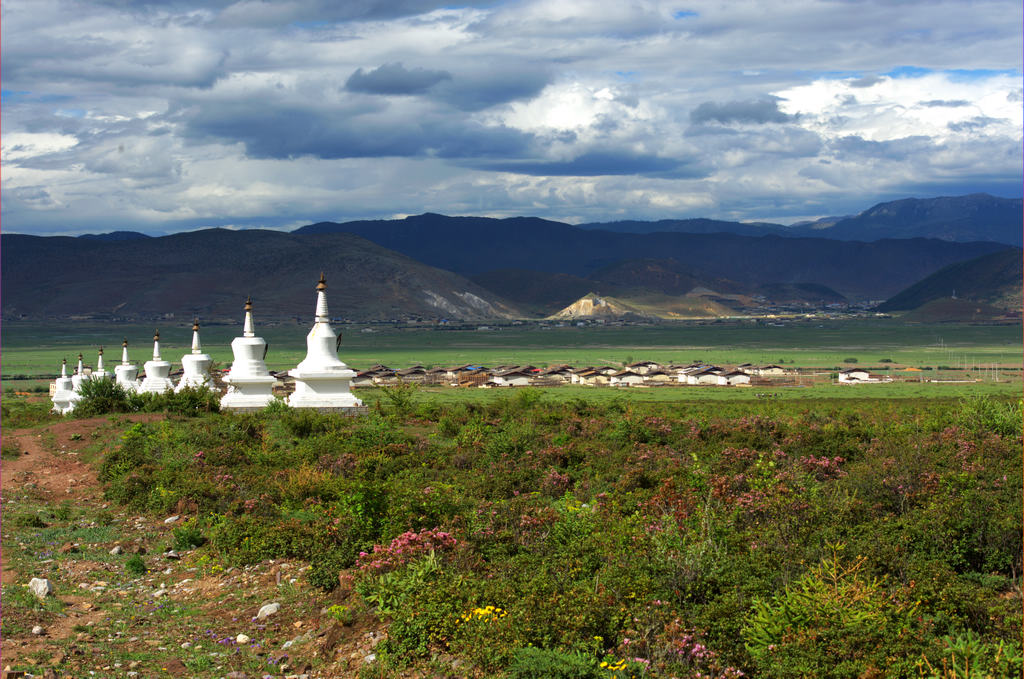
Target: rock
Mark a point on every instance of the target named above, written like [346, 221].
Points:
[41, 587]
[242, 639]
[134, 664]
[236, 675]
[268, 610]
[118, 549]
[369, 658]
[159, 593]
[171, 554]
[187, 645]
[171, 519]
[38, 630]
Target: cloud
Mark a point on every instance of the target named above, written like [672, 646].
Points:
[603, 163]
[945, 103]
[395, 79]
[756, 112]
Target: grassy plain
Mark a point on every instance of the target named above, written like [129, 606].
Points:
[37, 348]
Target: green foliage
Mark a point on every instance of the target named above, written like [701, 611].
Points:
[981, 413]
[967, 656]
[101, 397]
[850, 360]
[134, 565]
[10, 449]
[400, 398]
[835, 621]
[17, 412]
[544, 663]
[188, 536]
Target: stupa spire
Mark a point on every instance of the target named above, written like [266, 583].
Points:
[124, 351]
[156, 346]
[247, 327]
[79, 371]
[64, 368]
[196, 349]
[99, 361]
[321, 300]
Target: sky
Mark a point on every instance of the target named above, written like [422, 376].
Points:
[162, 116]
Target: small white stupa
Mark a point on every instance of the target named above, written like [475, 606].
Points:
[322, 381]
[250, 384]
[64, 391]
[79, 376]
[157, 372]
[196, 365]
[126, 374]
[100, 372]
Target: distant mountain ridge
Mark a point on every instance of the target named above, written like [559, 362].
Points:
[995, 279]
[474, 246]
[211, 272]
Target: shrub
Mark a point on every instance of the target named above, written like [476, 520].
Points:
[188, 536]
[849, 360]
[544, 663]
[135, 565]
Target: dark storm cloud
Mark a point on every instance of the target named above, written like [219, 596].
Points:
[283, 130]
[491, 85]
[755, 111]
[602, 163]
[395, 79]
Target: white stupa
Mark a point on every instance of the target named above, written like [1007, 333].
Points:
[157, 372]
[126, 374]
[321, 380]
[249, 382]
[196, 365]
[64, 391]
[100, 372]
[79, 376]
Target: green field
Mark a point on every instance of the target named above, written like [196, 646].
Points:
[37, 348]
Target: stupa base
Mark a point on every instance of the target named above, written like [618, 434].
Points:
[156, 385]
[194, 382]
[246, 403]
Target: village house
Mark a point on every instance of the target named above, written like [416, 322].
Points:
[860, 376]
[770, 371]
[514, 377]
[643, 367]
[626, 378]
[733, 378]
[658, 376]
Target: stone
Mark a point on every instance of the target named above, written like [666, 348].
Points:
[268, 610]
[187, 645]
[322, 381]
[118, 549]
[38, 630]
[369, 658]
[171, 519]
[242, 639]
[134, 664]
[159, 593]
[41, 587]
[172, 555]
[235, 674]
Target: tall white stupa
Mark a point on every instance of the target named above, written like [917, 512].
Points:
[250, 384]
[158, 372]
[126, 373]
[79, 376]
[322, 381]
[196, 365]
[100, 372]
[63, 392]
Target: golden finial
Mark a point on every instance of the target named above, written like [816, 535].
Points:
[101, 351]
[195, 324]
[79, 357]
[64, 361]
[322, 285]
[156, 335]
[124, 342]
[248, 303]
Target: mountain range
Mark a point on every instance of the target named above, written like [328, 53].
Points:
[432, 266]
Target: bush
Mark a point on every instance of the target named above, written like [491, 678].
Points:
[542, 663]
[135, 565]
[850, 360]
[102, 397]
[188, 536]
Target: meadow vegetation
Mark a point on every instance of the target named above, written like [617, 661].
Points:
[535, 536]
